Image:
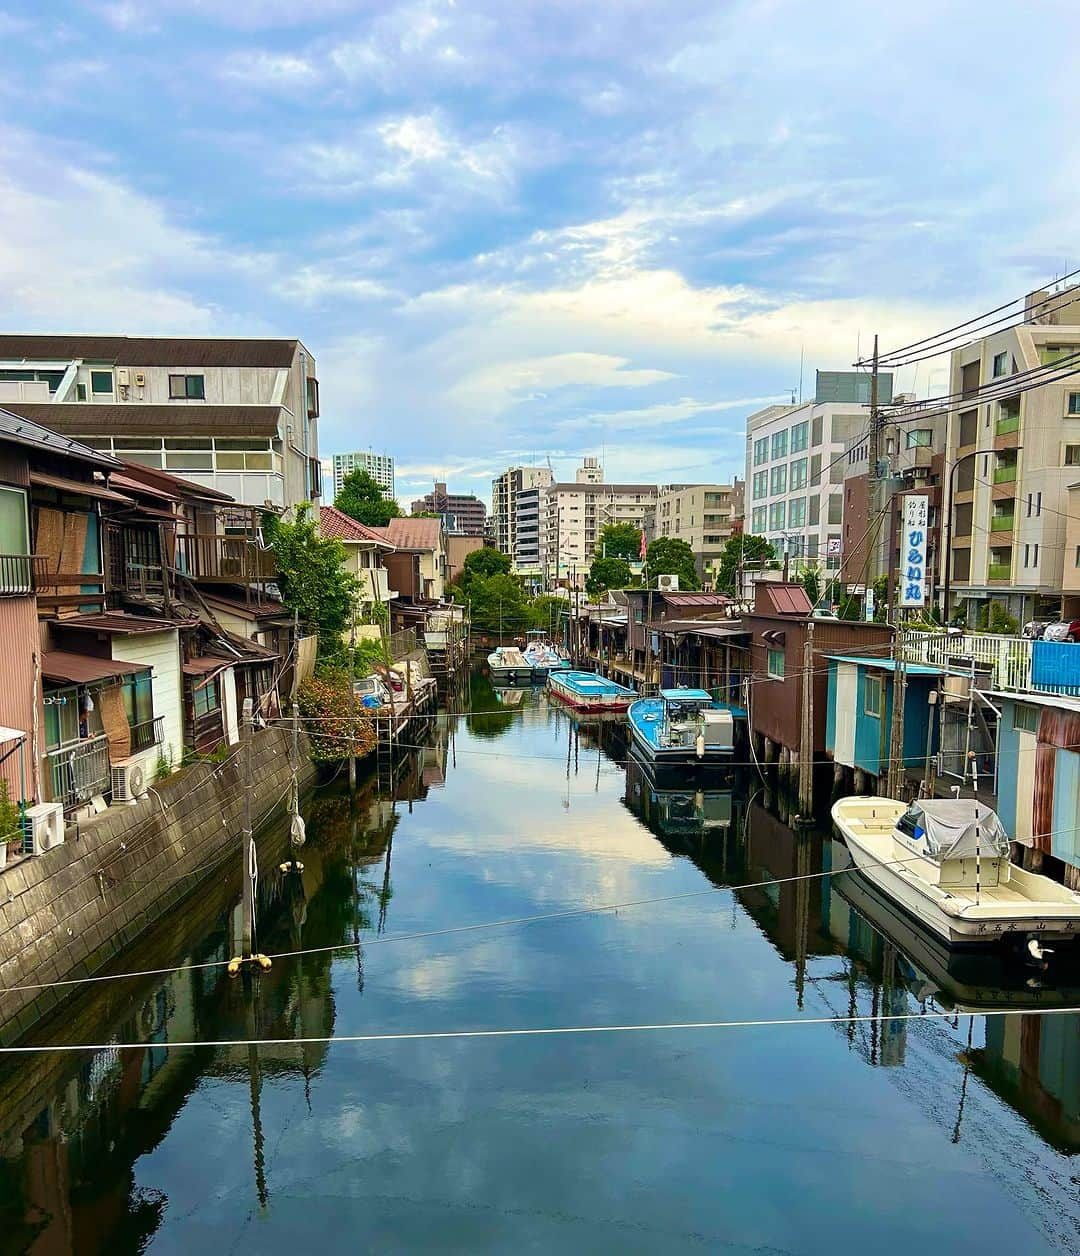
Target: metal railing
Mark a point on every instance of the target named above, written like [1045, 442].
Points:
[21, 574]
[79, 771]
[219, 556]
[149, 733]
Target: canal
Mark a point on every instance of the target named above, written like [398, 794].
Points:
[852, 1132]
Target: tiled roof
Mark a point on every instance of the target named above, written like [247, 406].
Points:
[25, 430]
[151, 350]
[132, 418]
[336, 523]
[412, 534]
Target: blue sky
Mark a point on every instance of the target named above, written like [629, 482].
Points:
[513, 230]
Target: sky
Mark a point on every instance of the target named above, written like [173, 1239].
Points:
[543, 228]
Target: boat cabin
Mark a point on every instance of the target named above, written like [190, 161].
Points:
[957, 834]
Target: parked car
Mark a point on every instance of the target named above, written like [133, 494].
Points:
[1066, 630]
[1035, 629]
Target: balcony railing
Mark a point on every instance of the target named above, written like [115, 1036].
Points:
[148, 733]
[216, 556]
[999, 571]
[1005, 474]
[79, 771]
[1002, 523]
[1005, 425]
[1014, 663]
[20, 574]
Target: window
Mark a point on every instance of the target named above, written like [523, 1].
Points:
[776, 664]
[761, 451]
[639, 615]
[918, 439]
[1072, 455]
[1025, 718]
[1038, 503]
[969, 422]
[138, 698]
[836, 508]
[797, 512]
[761, 484]
[815, 510]
[778, 479]
[206, 697]
[1050, 354]
[800, 436]
[815, 433]
[815, 470]
[14, 532]
[873, 695]
[797, 479]
[190, 386]
[777, 513]
[779, 444]
[1074, 403]
[101, 383]
[757, 524]
[1001, 364]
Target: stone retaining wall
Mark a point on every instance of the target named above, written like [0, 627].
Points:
[67, 913]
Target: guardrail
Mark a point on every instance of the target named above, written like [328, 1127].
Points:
[79, 771]
[21, 574]
[149, 733]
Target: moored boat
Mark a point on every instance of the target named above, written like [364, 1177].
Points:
[508, 664]
[544, 657]
[682, 726]
[586, 691]
[946, 863]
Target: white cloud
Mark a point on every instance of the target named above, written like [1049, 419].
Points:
[272, 71]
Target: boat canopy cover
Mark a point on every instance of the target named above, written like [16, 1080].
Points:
[956, 828]
[685, 695]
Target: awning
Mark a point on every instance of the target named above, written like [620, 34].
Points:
[11, 734]
[136, 486]
[81, 669]
[82, 487]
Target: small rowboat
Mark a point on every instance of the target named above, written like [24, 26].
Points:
[586, 691]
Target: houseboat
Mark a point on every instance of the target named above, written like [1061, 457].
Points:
[946, 863]
[682, 727]
[586, 691]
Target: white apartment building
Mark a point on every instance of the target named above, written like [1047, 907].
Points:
[574, 513]
[795, 464]
[1010, 461]
[702, 515]
[236, 415]
[379, 466]
[504, 502]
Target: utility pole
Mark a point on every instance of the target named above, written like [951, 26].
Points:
[247, 836]
[352, 704]
[896, 774]
[806, 727]
[875, 480]
[648, 638]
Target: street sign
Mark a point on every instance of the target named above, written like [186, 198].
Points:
[913, 550]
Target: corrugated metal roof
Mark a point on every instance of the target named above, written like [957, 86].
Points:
[150, 350]
[719, 600]
[206, 665]
[116, 623]
[86, 488]
[88, 418]
[887, 665]
[25, 430]
[81, 669]
[786, 599]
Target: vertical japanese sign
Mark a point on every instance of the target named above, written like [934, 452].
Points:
[913, 550]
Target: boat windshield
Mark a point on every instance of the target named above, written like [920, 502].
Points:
[955, 828]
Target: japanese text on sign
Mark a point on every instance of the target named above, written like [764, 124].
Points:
[913, 551]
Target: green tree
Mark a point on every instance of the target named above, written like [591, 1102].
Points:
[620, 540]
[667, 555]
[607, 573]
[483, 563]
[547, 612]
[365, 501]
[312, 576]
[497, 605]
[811, 582]
[746, 550]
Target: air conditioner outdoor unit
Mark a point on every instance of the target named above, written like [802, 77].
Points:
[130, 779]
[44, 827]
[667, 584]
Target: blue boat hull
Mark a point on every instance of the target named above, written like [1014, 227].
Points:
[645, 718]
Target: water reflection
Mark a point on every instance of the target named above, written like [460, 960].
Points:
[656, 1142]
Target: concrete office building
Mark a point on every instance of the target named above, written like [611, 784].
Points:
[236, 415]
[796, 456]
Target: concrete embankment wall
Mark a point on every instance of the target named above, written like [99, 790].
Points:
[67, 913]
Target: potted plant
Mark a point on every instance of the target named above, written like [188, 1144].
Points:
[10, 822]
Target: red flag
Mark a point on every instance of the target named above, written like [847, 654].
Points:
[643, 545]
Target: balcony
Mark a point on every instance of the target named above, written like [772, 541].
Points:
[1006, 424]
[149, 733]
[79, 771]
[21, 574]
[219, 557]
[999, 571]
[1005, 473]
[1002, 523]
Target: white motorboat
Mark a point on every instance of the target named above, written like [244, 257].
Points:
[946, 863]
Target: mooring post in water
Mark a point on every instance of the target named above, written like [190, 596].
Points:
[247, 833]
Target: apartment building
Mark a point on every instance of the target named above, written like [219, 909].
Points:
[702, 515]
[1010, 461]
[237, 416]
[379, 466]
[573, 515]
[528, 552]
[795, 463]
[504, 501]
[463, 514]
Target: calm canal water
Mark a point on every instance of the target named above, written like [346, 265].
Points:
[957, 1133]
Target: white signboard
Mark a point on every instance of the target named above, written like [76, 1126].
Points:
[913, 550]
[870, 604]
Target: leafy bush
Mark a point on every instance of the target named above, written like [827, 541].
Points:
[999, 620]
[10, 815]
[336, 728]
